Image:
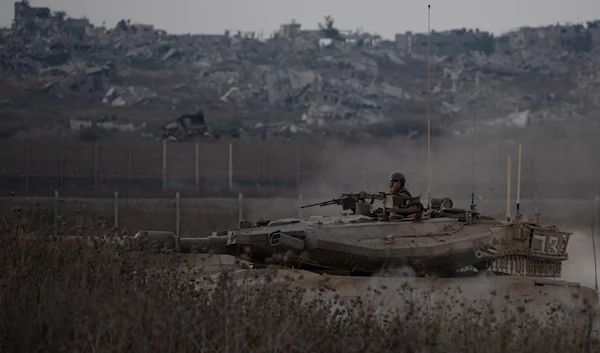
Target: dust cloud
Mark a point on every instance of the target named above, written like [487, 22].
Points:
[580, 267]
[555, 164]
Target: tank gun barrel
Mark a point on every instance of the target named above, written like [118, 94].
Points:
[212, 244]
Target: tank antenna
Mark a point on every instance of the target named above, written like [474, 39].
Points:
[508, 177]
[518, 217]
[595, 264]
[473, 191]
[594, 225]
[428, 108]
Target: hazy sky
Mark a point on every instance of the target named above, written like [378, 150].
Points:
[384, 17]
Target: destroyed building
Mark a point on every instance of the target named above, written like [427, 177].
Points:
[455, 42]
[300, 78]
[568, 37]
[28, 17]
[76, 28]
[290, 30]
[24, 13]
[451, 42]
[502, 45]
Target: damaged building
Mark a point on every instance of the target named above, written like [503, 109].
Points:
[24, 12]
[458, 41]
[298, 80]
[36, 18]
[450, 43]
[568, 37]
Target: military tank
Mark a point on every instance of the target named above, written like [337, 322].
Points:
[363, 240]
[429, 256]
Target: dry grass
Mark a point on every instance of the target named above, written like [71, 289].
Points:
[66, 296]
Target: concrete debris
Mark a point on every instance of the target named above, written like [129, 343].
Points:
[563, 112]
[358, 81]
[517, 119]
[280, 129]
[47, 131]
[395, 92]
[105, 124]
[394, 58]
[126, 96]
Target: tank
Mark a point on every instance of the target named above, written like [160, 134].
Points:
[366, 240]
[392, 257]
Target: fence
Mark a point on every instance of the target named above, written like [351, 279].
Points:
[192, 217]
[147, 165]
[83, 168]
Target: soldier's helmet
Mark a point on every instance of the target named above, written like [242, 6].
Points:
[397, 177]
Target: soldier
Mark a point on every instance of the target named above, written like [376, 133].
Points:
[403, 198]
[397, 188]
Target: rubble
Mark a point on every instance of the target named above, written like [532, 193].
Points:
[280, 129]
[126, 96]
[46, 131]
[185, 127]
[361, 81]
[77, 125]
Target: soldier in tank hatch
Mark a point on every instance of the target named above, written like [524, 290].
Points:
[397, 181]
[403, 198]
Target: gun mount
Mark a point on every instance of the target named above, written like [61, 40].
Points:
[442, 240]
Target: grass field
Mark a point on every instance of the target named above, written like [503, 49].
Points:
[67, 296]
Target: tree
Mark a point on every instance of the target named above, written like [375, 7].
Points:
[329, 31]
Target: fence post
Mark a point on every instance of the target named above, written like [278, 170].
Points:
[56, 212]
[197, 167]
[96, 165]
[596, 215]
[263, 163]
[116, 209]
[562, 166]
[496, 171]
[297, 168]
[27, 164]
[61, 185]
[596, 226]
[240, 206]
[177, 214]
[164, 166]
[230, 166]
[129, 164]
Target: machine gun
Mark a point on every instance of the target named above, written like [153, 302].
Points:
[358, 203]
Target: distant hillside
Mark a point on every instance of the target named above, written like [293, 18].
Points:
[300, 82]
